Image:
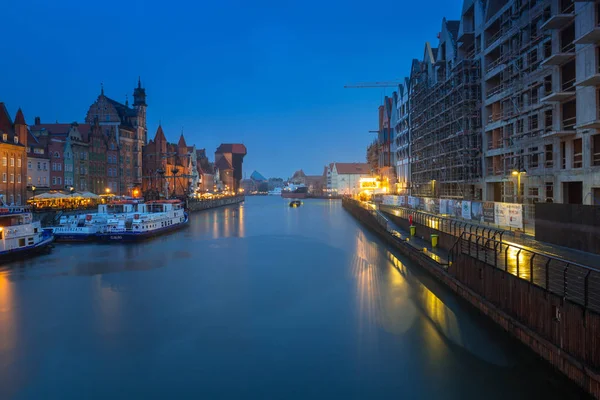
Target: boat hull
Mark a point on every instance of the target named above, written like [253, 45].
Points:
[27, 251]
[139, 236]
[292, 195]
[75, 237]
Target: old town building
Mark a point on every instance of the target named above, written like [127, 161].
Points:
[228, 161]
[129, 127]
[13, 169]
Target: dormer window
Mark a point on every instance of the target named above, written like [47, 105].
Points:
[16, 140]
[5, 137]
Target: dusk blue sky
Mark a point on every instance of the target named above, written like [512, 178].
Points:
[269, 74]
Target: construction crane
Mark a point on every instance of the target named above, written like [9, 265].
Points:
[362, 85]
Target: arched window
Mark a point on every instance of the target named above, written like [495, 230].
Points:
[56, 155]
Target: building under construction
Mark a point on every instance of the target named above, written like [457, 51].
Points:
[446, 120]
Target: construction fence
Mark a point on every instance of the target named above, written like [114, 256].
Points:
[502, 215]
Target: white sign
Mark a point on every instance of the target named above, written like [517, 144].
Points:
[466, 209]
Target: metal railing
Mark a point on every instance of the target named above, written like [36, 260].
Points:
[447, 225]
[575, 282]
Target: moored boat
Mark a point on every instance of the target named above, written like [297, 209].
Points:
[295, 192]
[86, 227]
[19, 235]
[151, 219]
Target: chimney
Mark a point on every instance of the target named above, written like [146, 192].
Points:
[37, 121]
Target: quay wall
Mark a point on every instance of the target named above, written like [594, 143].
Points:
[199, 205]
[564, 334]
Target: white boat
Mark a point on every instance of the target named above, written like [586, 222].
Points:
[151, 219]
[19, 234]
[275, 192]
[85, 227]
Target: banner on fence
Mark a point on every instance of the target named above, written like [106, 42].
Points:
[515, 215]
[432, 205]
[443, 206]
[488, 212]
[477, 211]
[413, 202]
[466, 209]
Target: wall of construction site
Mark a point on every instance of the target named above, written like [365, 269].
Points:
[501, 215]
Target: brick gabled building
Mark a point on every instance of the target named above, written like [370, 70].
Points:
[128, 124]
[228, 161]
[13, 168]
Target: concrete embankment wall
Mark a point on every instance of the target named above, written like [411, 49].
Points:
[200, 205]
[564, 334]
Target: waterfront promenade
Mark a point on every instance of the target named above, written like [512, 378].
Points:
[550, 304]
[252, 300]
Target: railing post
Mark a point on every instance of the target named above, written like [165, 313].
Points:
[565, 281]
[518, 254]
[496, 255]
[477, 246]
[506, 258]
[531, 267]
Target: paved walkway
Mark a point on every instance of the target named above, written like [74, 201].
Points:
[435, 253]
[512, 237]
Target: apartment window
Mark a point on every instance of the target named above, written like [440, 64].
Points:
[19, 162]
[28, 164]
[39, 182]
[16, 140]
[45, 165]
[53, 166]
[533, 192]
[56, 155]
[19, 178]
[563, 155]
[18, 199]
[534, 157]
[12, 161]
[4, 161]
[53, 180]
[5, 137]
[596, 150]
[39, 166]
[12, 178]
[59, 167]
[44, 181]
[58, 180]
[4, 177]
[577, 153]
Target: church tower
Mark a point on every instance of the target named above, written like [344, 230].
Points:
[139, 103]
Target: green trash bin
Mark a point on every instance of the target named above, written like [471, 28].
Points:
[413, 230]
[434, 240]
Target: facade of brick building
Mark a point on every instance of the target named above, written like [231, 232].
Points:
[128, 125]
[13, 156]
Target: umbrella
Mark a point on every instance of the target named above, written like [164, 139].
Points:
[43, 196]
[89, 195]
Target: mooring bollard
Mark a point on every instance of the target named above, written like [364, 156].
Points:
[434, 240]
[413, 230]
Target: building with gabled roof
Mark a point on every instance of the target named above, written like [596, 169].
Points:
[344, 178]
[129, 127]
[13, 144]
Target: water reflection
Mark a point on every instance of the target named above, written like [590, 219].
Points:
[8, 325]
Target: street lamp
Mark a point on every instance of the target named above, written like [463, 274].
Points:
[518, 175]
[33, 191]
[107, 190]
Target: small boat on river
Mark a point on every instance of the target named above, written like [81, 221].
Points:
[295, 203]
[151, 219]
[19, 235]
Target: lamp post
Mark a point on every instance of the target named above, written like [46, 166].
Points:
[518, 175]
[33, 191]
[107, 190]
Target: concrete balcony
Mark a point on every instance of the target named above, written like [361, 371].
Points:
[567, 129]
[566, 91]
[590, 37]
[595, 124]
[560, 20]
[566, 54]
[592, 80]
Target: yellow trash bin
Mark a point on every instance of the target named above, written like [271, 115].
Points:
[434, 240]
[413, 230]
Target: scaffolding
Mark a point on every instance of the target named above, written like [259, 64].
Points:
[446, 130]
[517, 118]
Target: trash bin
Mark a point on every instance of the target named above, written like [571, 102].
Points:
[413, 230]
[434, 240]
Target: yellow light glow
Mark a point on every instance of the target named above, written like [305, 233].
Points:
[515, 173]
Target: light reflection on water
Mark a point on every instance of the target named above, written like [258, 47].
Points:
[249, 299]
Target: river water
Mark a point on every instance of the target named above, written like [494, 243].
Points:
[257, 300]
